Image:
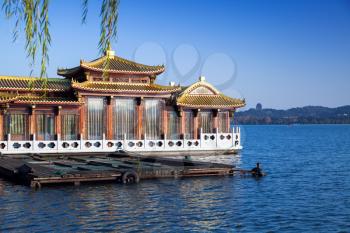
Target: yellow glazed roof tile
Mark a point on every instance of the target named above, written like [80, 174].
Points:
[204, 95]
[114, 64]
[16, 83]
[124, 87]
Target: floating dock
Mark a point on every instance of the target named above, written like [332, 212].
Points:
[39, 170]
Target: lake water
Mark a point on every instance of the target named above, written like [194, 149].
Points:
[307, 189]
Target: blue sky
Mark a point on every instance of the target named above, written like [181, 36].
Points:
[282, 53]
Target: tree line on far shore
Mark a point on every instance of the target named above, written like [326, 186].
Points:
[303, 115]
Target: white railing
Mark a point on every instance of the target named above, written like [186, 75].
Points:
[207, 141]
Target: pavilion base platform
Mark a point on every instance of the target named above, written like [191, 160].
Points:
[179, 153]
[39, 170]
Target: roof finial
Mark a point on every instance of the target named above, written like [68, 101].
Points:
[109, 52]
[201, 78]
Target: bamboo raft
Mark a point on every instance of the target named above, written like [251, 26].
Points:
[38, 170]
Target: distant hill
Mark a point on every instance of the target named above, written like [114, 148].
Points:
[304, 115]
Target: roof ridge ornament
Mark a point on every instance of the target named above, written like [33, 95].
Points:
[117, 65]
[109, 52]
[201, 78]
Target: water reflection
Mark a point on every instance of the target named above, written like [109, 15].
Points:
[2, 186]
[307, 190]
[225, 159]
[180, 203]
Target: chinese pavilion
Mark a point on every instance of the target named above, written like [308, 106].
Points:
[112, 104]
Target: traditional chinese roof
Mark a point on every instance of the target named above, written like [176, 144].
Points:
[15, 83]
[6, 97]
[117, 87]
[113, 64]
[203, 95]
[209, 101]
[25, 99]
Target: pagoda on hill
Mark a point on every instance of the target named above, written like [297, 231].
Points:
[112, 104]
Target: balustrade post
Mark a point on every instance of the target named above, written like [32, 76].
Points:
[103, 140]
[164, 140]
[8, 140]
[239, 136]
[165, 121]
[33, 142]
[58, 141]
[233, 136]
[81, 141]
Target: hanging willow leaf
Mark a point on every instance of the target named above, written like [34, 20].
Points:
[31, 29]
[109, 18]
[13, 8]
[45, 41]
[85, 11]
[34, 14]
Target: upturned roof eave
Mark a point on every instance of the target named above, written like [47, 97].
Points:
[20, 100]
[123, 91]
[74, 103]
[90, 66]
[191, 106]
[19, 83]
[69, 72]
[32, 89]
[227, 102]
[155, 72]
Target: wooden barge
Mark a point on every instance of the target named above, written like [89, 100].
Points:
[38, 170]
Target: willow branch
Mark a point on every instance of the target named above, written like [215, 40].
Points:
[85, 8]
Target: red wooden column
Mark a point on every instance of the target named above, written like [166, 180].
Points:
[139, 112]
[215, 120]
[109, 118]
[58, 123]
[32, 123]
[2, 129]
[182, 123]
[228, 129]
[82, 120]
[165, 121]
[230, 116]
[195, 124]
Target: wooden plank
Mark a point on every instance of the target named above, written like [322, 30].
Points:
[78, 169]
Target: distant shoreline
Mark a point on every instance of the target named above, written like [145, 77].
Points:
[296, 124]
[303, 115]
